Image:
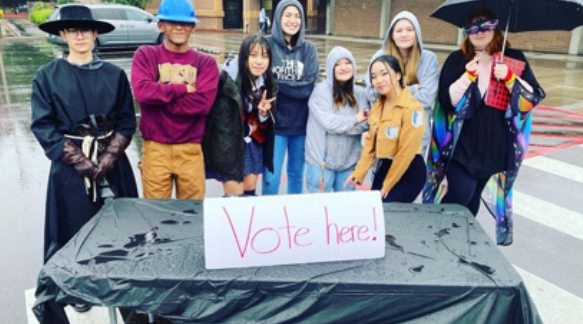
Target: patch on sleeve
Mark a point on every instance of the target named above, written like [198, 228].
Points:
[417, 119]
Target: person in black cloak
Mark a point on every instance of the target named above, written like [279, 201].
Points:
[83, 117]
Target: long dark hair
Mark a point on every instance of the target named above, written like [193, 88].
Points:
[390, 61]
[497, 41]
[343, 94]
[246, 77]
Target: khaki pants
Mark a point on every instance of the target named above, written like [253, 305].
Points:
[163, 164]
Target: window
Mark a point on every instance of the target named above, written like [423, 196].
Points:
[107, 14]
[55, 15]
[137, 15]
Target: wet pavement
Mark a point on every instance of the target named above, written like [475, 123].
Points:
[24, 172]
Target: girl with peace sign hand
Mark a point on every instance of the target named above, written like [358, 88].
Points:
[239, 135]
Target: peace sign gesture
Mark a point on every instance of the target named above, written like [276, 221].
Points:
[264, 105]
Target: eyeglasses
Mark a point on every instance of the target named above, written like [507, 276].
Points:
[73, 33]
[481, 27]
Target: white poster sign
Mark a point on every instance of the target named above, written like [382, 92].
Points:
[272, 230]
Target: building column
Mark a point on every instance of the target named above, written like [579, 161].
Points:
[461, 37]
[246, 18]
[330, 9]
[385, 15]
[576, 45]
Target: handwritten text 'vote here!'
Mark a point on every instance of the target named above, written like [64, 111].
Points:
[274, 230]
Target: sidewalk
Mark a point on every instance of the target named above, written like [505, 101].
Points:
[22, 27]
[8, 29]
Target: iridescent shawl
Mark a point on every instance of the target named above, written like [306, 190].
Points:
[446, 129]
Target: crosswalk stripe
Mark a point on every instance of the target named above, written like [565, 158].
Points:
[555, 305]
[548, 214]
[556, 167]
[29, 299]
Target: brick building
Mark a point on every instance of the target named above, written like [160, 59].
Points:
[367, 19]
[370, 18]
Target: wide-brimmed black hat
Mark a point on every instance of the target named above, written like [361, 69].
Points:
[76, 16]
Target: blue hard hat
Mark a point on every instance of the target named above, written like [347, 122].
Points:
[177, 10]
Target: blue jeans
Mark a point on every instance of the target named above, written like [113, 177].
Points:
[333, 180]
[295, 146]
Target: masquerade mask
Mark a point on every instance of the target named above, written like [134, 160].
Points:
[481, 26]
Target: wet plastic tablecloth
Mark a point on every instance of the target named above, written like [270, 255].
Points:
[440, 267]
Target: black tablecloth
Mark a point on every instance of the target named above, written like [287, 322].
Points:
[440, 267]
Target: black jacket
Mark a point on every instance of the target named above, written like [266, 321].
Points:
[63, 95]
[223, 143]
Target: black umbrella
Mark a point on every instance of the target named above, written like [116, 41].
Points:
[517, 15]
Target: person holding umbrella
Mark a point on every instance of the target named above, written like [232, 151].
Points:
[486, 101]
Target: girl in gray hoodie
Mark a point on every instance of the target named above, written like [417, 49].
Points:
[336, 121]
[420, 68]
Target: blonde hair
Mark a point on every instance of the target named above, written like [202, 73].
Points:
[410, 68]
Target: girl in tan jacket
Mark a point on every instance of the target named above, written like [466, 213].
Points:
[396, 126]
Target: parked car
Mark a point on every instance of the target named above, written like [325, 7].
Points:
[22, 9]
[133, 26]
